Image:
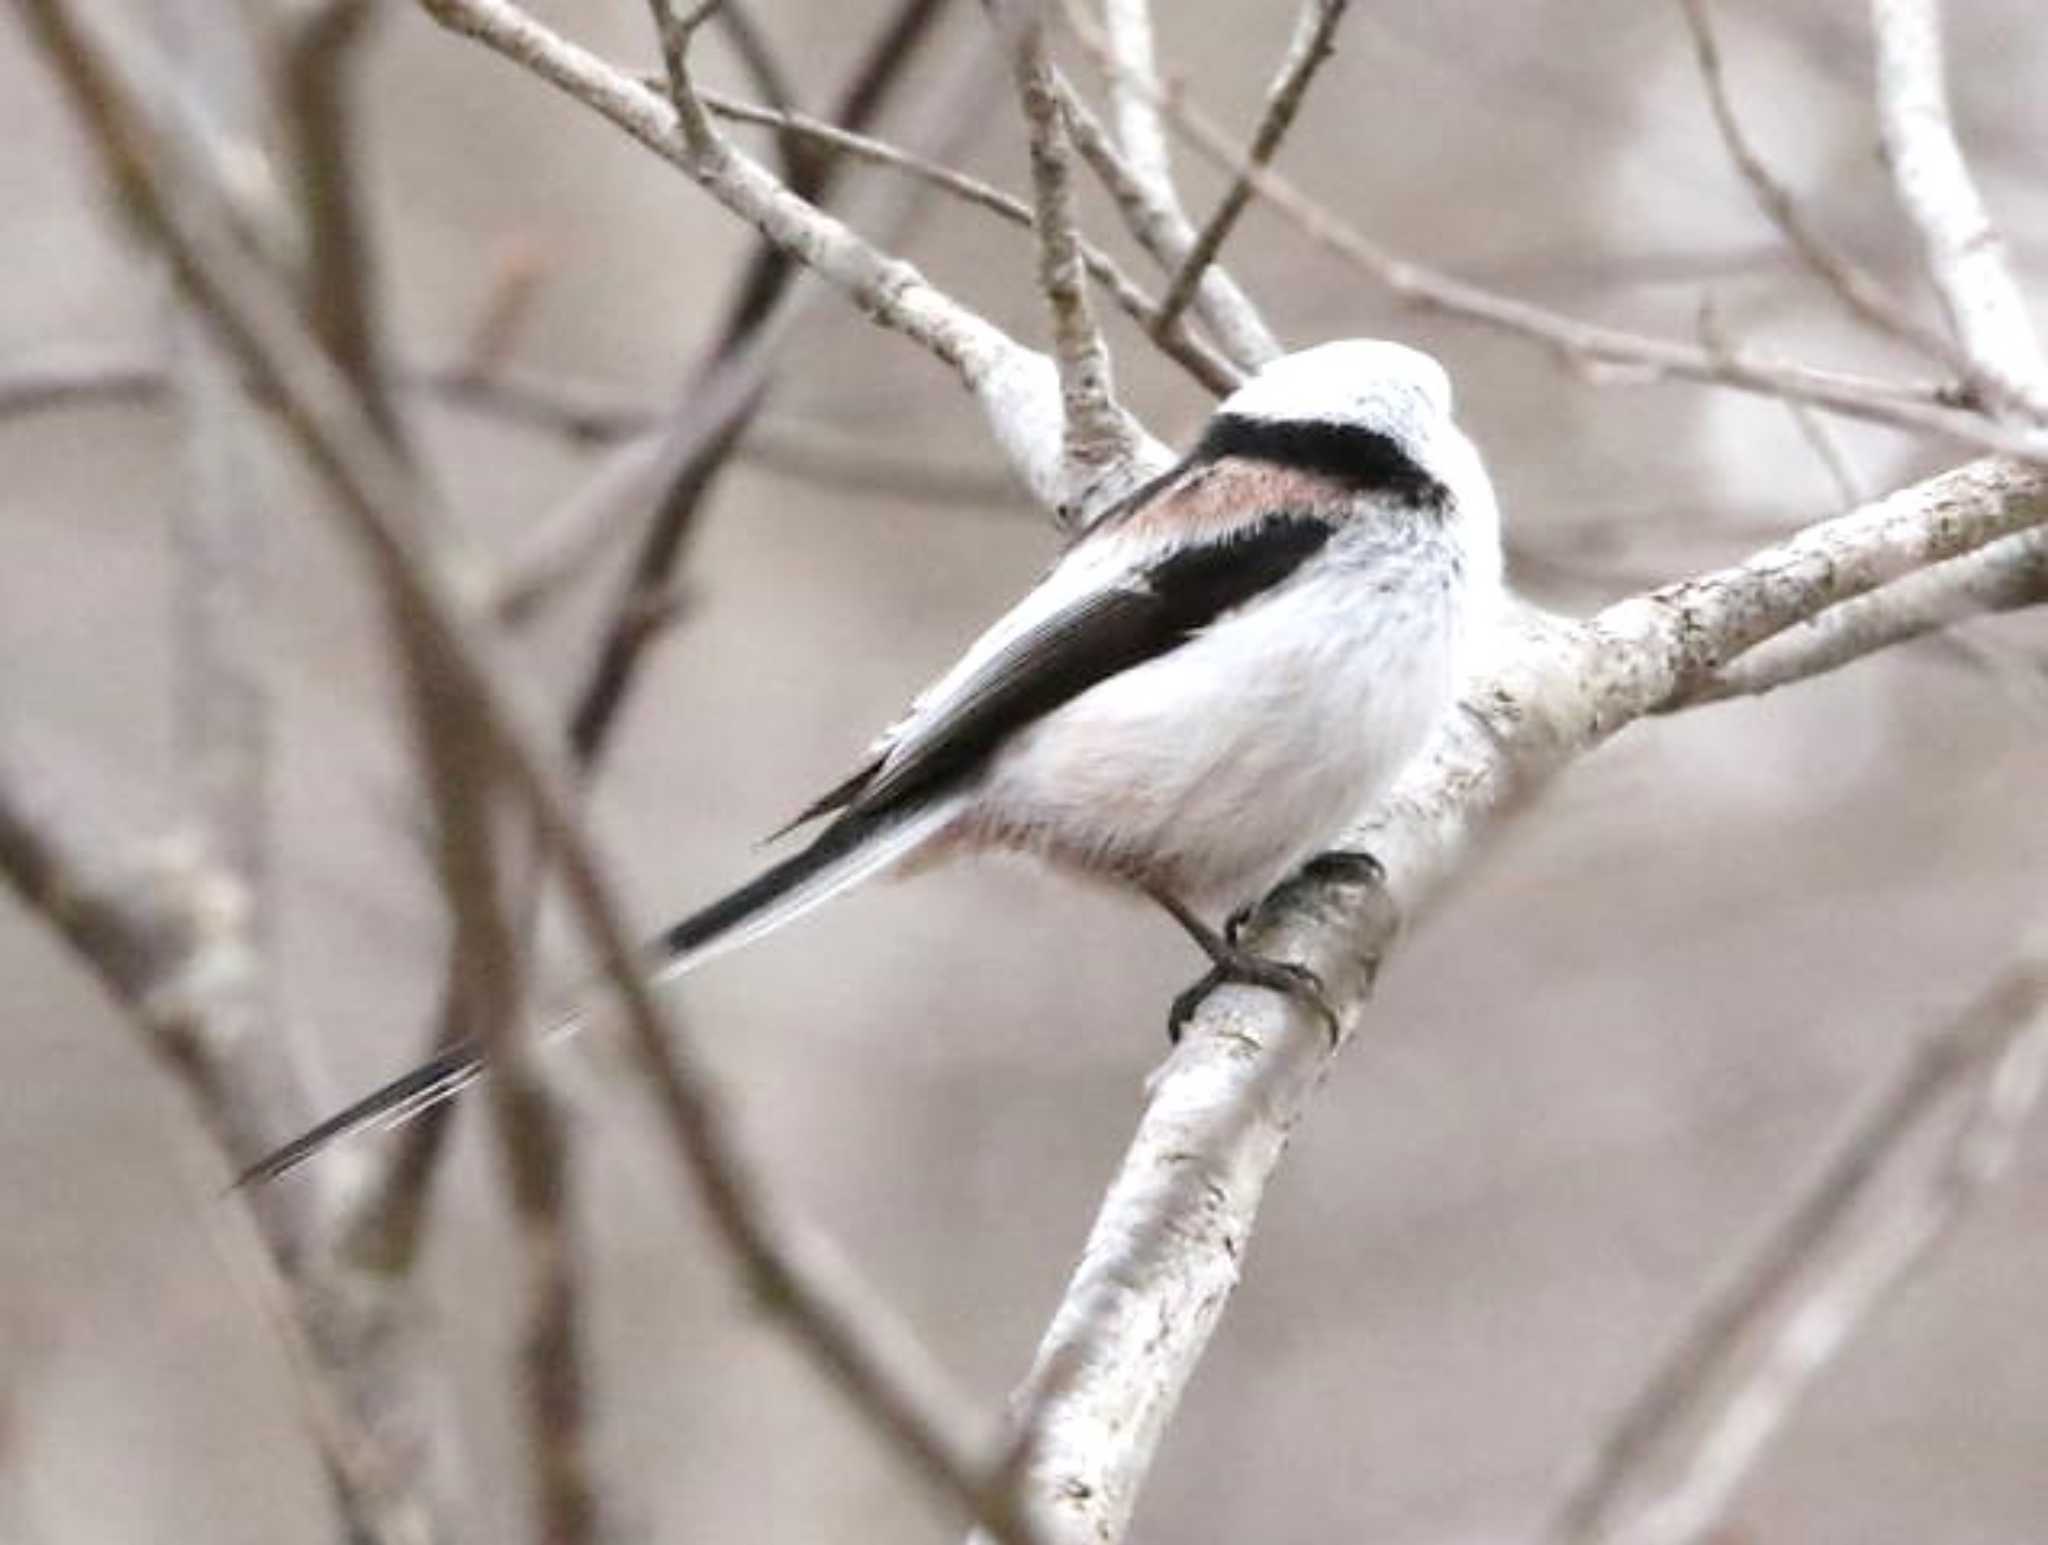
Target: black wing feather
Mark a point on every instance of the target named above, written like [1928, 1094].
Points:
[1110, 632]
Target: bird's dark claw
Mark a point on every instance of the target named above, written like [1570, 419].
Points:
[1345, 864]
[1249, 970]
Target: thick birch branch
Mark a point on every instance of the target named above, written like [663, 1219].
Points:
[2003, 576]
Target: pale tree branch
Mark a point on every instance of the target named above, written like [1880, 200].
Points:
[1860, 291]
[1598, 349]
[1166, 1247]
[1965, 254]
[1099, 449]
[2004, 576]
[379, 505]
[1928, 1143]
[1313, 43]
[1133, 99]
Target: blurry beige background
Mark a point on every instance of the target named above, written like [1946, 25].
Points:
[1587, 1079]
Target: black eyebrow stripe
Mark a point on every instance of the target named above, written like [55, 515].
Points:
[1361, 459]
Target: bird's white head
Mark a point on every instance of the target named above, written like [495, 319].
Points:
[1374, 417]
[1371, 382]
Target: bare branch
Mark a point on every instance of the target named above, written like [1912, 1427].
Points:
[1859, 290]
[865, 1350]
[1312, 43]
[1590, 346]
[2003, 576]
[1934, 1136]
[1165, 1250]
[1965, 255]
[1099, 441]
[1134, 92]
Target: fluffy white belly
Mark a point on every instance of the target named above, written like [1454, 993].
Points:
[1217, 768]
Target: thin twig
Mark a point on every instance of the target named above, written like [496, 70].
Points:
[1311, 44]
[1162, 228]
[1874, 1210]
[1098, 442]
[1827, 450]
[1173, 338]
[1965, 255]
[1863, 293]
[749, 40]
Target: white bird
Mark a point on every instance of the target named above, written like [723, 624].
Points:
[1214, 676]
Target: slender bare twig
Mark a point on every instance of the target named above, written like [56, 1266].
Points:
[1965, 254]
[1099, 445]
[1827, 450]
[2004, 576]
[852, 1335]
[1863, 293]
[1312, 43]
[1162, 228]
[1586, 344]
[1202, 362]
[1933, 1136]
[749, 40]
[1137, 168]
[1166, 1247]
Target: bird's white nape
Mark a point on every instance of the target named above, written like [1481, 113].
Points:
[1370, 381]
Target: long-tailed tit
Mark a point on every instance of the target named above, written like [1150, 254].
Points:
[1215, 675]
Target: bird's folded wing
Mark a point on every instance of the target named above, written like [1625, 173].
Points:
[1080, 628]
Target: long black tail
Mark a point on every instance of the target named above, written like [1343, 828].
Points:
[850, 850]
